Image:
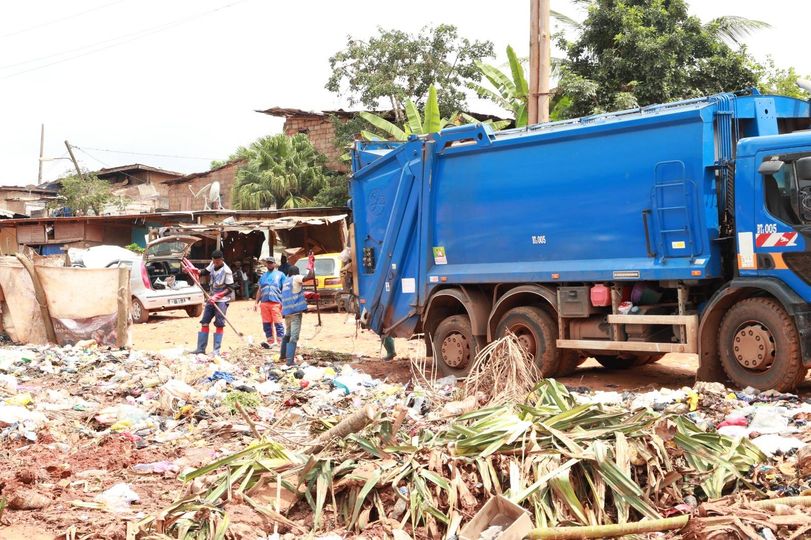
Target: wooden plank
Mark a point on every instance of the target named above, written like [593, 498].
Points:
[652, 319]
[63, 231]
[638, 346]
[31, 234]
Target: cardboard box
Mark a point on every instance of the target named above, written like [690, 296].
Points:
[498, 511]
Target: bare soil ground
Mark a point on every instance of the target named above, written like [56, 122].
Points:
[339, 334]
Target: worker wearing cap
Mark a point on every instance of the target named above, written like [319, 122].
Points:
[269, 301]
[221, 291]
[294, 304]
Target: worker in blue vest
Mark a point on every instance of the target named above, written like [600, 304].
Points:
[221, 291]
[293, 307]
[269, 300]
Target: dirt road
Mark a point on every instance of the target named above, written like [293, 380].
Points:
[338, 334]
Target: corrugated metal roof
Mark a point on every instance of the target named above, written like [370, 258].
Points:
[192, 176]
[101, 173]
[316, 212]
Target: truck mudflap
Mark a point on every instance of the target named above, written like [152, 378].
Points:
[709, 368]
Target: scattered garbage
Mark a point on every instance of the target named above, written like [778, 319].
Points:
[118, 498]
[324, 449]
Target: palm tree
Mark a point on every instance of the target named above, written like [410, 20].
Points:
[279, 170]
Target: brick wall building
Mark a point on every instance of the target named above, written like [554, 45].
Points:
[181, 198]
[318, 127]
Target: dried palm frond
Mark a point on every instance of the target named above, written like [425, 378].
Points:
[503, 371]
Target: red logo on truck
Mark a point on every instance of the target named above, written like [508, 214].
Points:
[776, 239]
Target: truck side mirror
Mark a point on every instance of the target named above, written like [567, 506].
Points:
[770, 166]
[803, 166]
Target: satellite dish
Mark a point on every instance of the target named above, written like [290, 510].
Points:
[804, 84]
[214, 195]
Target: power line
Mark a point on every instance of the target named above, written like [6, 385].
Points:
[145, 154]
[48, 23]
[123, 40]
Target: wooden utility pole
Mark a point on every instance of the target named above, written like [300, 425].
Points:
[539, 61]
[73, 158]
[41, 152]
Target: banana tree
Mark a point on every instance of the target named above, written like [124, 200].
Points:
[510, 91]
[416, 124]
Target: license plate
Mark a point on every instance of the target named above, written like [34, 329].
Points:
[173, 301]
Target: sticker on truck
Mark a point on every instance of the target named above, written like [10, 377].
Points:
[409, 285]
[439, 255]
[777, 239]
[746, 251]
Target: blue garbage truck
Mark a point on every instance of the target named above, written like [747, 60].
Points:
[683, 227]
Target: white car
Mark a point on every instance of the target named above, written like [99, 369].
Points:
[157, 279]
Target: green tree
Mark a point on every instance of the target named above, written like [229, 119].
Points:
[286, 171]
[630, 53]
[510, 90]
[416, 124]
[395, 66]
[780, 81]
[85, 195]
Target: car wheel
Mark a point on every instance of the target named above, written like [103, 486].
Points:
[195, 311]
[139, 312]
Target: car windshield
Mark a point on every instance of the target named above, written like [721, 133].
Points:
[323, 267]
[167, 249]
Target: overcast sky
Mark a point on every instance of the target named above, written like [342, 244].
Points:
[183, 77]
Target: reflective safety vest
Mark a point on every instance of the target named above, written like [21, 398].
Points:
[292, 302]
[270, 286]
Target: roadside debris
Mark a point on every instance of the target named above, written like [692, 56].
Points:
[181, 445]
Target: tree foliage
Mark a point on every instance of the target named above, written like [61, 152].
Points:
[86, 196]
[509, 90]
[416, 123]
[394, 66]
[287, 172]
[630, 53]
[775, 80]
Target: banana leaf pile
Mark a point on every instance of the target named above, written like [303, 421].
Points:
[568, 463]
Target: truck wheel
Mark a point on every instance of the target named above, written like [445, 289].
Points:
[759, 346]
[139, 313]
[454, 346]
[537, 332]
[195, 311]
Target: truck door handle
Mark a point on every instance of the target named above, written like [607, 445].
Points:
[645, 214]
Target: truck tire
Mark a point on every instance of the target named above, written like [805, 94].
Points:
[454, 346]
[139, 313]
[759, 346]
[195, 311]
[538, 333]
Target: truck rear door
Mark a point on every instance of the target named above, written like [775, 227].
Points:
[386, 197]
